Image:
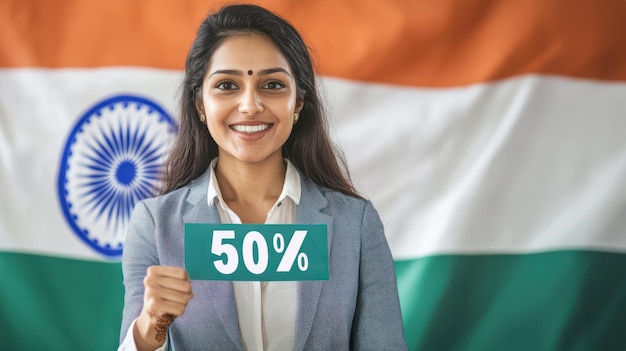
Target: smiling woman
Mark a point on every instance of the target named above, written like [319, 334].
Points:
[254, 148]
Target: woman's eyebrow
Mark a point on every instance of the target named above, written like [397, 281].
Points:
[265, 72]
[233, 72]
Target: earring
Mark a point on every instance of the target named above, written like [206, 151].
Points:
[202, 117]
[295, 117]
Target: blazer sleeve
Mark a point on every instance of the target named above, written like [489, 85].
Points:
[377, 322]
[139, 253]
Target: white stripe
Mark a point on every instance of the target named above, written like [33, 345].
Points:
[528, 164]
[38, 108]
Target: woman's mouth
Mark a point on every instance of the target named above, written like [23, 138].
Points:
[250, 129]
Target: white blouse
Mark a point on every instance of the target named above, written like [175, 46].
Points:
[267, 310]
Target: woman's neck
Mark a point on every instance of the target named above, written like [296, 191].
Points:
[250, 189]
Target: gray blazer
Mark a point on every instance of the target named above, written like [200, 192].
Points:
[356, 309]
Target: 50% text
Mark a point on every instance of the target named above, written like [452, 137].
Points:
[254, 242]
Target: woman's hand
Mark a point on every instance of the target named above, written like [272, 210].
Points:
[167, 292]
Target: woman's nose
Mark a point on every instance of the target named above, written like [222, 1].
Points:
[250, 103]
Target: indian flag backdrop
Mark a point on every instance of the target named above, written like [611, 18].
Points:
[490, 135]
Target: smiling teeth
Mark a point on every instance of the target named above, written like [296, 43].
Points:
[251, 129]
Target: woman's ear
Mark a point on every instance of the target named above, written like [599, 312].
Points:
[299, 105]
[197, 94]
[199, 106]
[200, 109]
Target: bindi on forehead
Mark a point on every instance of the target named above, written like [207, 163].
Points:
[250, 72]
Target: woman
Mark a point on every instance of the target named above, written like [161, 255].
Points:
[253, 147]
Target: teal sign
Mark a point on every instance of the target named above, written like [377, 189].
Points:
[256, 252]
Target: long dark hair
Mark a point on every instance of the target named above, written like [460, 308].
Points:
[309, 146]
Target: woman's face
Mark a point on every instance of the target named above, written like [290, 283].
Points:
[249, 99]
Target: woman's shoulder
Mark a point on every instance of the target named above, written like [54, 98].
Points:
[164, 203]
[336, 199]
[172, 198]
[348, 212]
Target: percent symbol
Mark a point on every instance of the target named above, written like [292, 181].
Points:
[292, 252]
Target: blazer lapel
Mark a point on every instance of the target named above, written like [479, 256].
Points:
[219, 293]
[309, 211]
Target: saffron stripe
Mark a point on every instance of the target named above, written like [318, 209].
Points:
[415, 43]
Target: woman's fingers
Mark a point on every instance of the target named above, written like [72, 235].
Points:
[168, 284]
[166, 271]
[167, 290]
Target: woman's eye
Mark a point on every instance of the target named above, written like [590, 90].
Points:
[226, 86]
[274, 85]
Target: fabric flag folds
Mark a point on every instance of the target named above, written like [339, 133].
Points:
[491, 137]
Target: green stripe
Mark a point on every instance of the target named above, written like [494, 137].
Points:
[566, 300]
[59, 304]
[570, 300]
